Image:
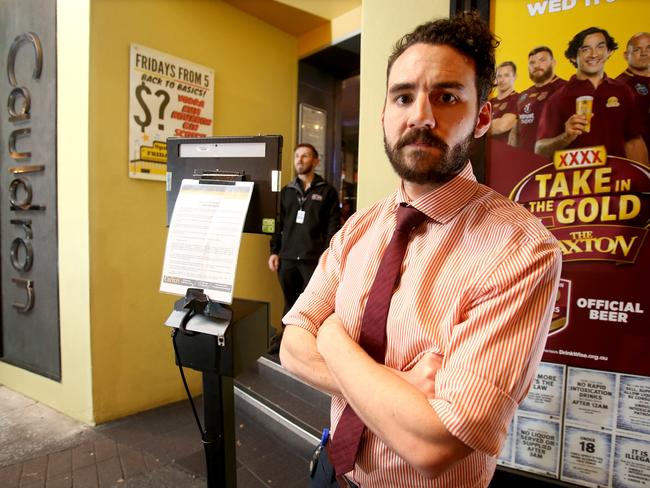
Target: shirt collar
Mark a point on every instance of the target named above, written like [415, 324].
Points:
[629, 73]
[574, 80]
[444, 202]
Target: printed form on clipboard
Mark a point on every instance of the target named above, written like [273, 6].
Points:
[204, 237]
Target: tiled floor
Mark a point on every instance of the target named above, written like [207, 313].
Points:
[156, 449]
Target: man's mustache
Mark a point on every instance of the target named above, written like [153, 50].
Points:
[422, 136]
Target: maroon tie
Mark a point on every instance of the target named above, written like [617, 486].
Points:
[345, 443]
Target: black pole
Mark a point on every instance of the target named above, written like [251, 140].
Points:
[219, 444]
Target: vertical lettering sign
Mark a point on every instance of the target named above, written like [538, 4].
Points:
[28, 234]
[168, 97]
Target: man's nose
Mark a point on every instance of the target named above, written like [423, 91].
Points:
[421, 113]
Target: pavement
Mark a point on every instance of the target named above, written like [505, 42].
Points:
[160, 448]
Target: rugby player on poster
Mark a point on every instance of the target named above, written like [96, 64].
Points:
[613, 119]
[504, 104]
[637, 77]
[541, 70]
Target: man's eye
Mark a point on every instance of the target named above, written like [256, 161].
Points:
[403, 99]
[448, 98]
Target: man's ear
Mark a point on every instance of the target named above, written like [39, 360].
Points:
[483, 120]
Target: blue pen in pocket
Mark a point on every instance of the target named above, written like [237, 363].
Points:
[314, 458]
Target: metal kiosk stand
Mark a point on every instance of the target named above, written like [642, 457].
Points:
[242, 328]
[243, 338]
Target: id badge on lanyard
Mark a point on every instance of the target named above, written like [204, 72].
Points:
[300, 217]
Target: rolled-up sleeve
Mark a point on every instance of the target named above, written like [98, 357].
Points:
[493, 353]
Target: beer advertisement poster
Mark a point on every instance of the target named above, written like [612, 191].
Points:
[569, 142]
[168, 97]
[591, 193]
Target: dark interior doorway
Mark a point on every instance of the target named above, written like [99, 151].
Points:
[328, 86]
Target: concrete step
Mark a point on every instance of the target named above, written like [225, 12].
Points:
[293, 413]
[291, 410]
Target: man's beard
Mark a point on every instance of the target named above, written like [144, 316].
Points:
[546, 75]
[304, 169]
[426, 167]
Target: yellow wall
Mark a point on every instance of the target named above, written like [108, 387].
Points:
[520, 32]
[336, 30]
[255, 92]
[384, 21]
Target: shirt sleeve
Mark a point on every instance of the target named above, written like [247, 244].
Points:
[493, 353]
[634, 115]
[550, 123]
[512, 105]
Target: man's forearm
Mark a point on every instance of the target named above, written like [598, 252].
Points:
[300, 356]
[546, 147]
[636, 150]
[502, 124]
[396, 411]
[513, 137]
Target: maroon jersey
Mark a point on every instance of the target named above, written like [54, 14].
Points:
[615, 120]
[507, 105]
[640, 86]
[529, 110]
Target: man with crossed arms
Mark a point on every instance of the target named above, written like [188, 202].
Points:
[469, 316]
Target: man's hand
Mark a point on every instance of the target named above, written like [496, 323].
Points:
[423, 374]
[274, 262]
[574, 127]
[330, 335]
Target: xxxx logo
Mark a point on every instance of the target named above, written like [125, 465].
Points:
[584, 157]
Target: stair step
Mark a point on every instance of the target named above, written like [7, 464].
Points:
[292, 410]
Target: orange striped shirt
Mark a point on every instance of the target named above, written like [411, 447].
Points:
[478, 285]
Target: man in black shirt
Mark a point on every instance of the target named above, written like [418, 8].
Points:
[309, 217]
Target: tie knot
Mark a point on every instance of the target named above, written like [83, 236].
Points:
[408, 218]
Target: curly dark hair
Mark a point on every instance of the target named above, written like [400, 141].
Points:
[571, 52]
[467, 33]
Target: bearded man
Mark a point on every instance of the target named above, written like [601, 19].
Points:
[541, 70]
[427, 315]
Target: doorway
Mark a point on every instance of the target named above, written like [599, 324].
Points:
[328, 91]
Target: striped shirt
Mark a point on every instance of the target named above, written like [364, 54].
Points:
[478, 284]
